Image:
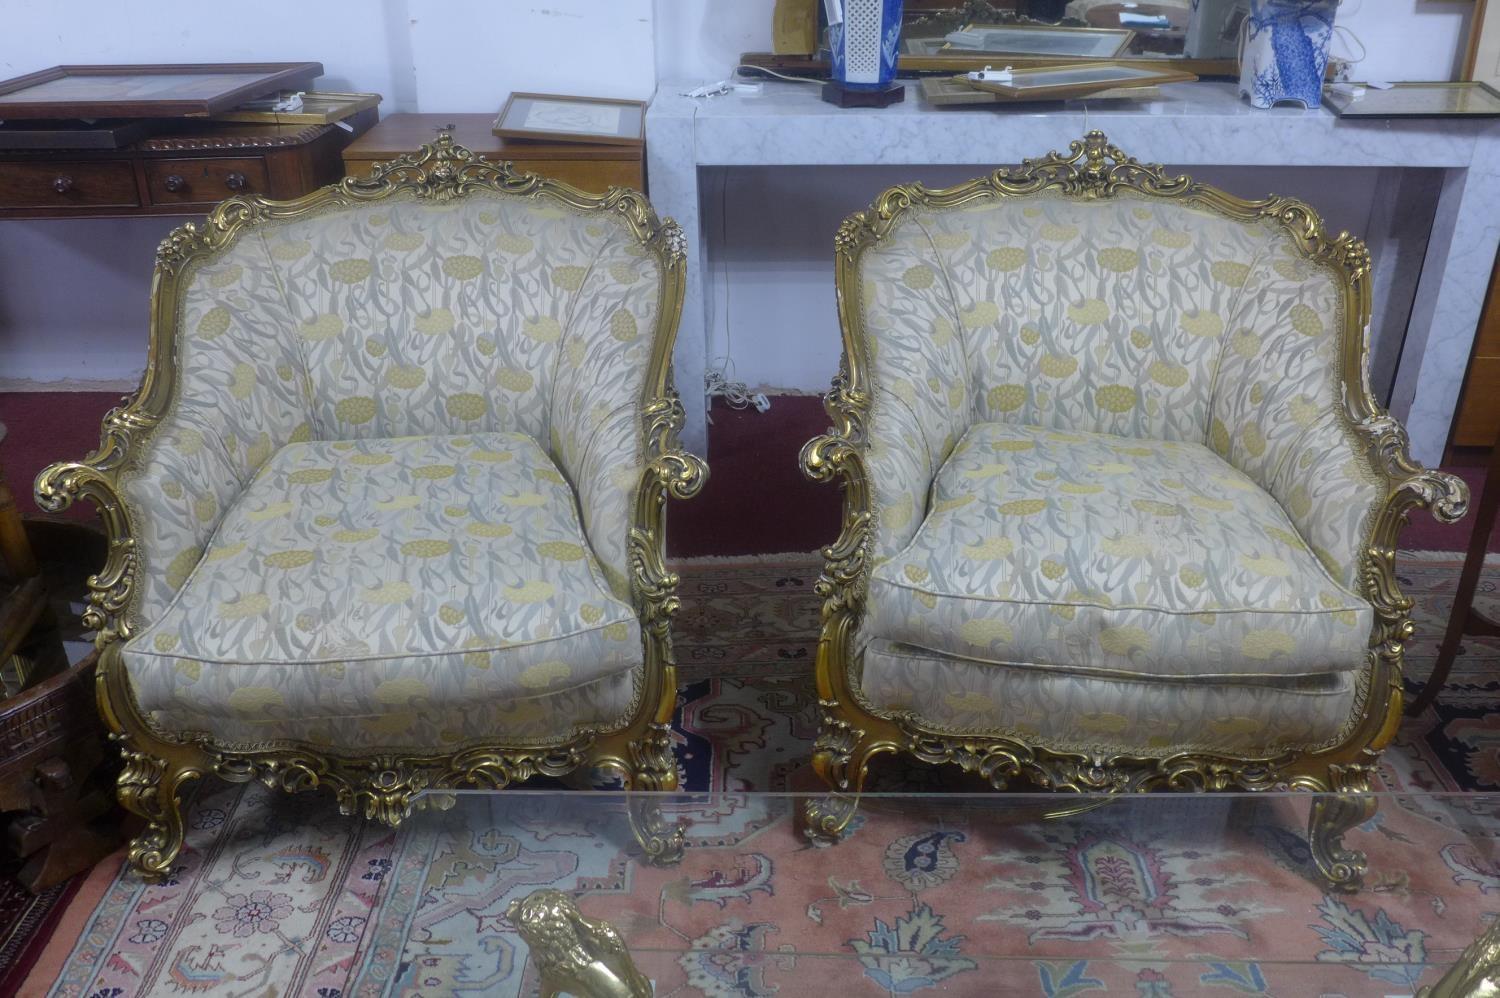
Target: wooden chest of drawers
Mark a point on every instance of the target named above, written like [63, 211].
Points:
[592, 168]
[184, 172]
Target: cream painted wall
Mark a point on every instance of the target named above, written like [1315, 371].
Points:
[774, 314]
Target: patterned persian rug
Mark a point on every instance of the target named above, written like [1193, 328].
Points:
[277, 895]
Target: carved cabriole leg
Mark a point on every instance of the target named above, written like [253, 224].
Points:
[153, 772]
[1332, 815]
[841, 756]
[654, 769]
[152, 788]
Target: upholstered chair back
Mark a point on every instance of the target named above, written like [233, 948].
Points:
[1124, 314]
[401, 317]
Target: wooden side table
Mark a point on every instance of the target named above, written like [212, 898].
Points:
[183, 171]
[592, 168]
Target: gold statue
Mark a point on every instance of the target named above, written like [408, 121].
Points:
[1476, 974]
[580, 956]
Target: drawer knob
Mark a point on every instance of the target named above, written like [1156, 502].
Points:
[62, 185]
[175, 183]
[235, 181]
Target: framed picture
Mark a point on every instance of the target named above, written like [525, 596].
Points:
[1416, 100]
[1482, 61]
[957, 91]
[156, 91]
[1063, 82]
[1038, 39]
[318, 108]
[560, 118]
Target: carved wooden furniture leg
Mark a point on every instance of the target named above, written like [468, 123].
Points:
[152, 788]
[575, 955]
[655, 768]
[1332, 815]
[661, 840]
[841, 756]
[1465, 620]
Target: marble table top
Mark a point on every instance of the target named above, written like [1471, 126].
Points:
[1188, 123]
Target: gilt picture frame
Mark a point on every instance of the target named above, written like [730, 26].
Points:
[564, 118]
[1057, 42]
[1083, 79]
[169, 90]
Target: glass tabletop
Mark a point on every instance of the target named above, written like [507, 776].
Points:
[997, 894]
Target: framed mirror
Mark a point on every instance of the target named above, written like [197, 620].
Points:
[958, 35]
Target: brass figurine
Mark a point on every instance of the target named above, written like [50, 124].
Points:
[575, 955]
[1476, 973]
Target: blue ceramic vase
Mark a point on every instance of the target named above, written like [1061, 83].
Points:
[1286, 51]
[864, 44]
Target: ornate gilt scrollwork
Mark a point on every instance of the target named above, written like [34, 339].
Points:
[854, 730]
[384, 788]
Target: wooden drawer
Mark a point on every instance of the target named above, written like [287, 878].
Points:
[593, 175]
[100, 184]
[203, 181]
[1478, 421]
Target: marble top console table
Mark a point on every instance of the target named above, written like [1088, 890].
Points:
[1196, 124]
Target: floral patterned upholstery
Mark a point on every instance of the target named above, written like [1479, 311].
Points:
[1100, 715]
[1110, 461]
[1093, 552]
[426, 590]
[404, 318]
[328, 367]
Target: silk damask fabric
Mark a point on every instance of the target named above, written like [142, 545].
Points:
[1088, 551]
[1135, 317]
[415, 592]
[407, 317]
[1106, 715]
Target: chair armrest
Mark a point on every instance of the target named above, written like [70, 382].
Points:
[669, 471]
[64, 483]
[1413, 487]
[838, 455]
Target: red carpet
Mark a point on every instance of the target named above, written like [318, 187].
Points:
[757, 500]
[1426, 534]
[45, 427]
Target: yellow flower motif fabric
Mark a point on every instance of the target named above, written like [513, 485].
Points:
[492, 314]
[1150, 534]
[1140, 318]
[1073, 712]
[412, 602]
[1142, 558]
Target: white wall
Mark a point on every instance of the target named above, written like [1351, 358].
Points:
[422, 55]
[1404, 39]
[775, 314]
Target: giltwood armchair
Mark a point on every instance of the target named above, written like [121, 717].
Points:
[1120, 509]
[387, 511]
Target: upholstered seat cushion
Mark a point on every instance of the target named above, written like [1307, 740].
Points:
[1092, 553]
[418, 592]
[1099, 715]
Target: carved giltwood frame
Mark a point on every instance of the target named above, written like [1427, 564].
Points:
[853, 731]
[384, 787]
